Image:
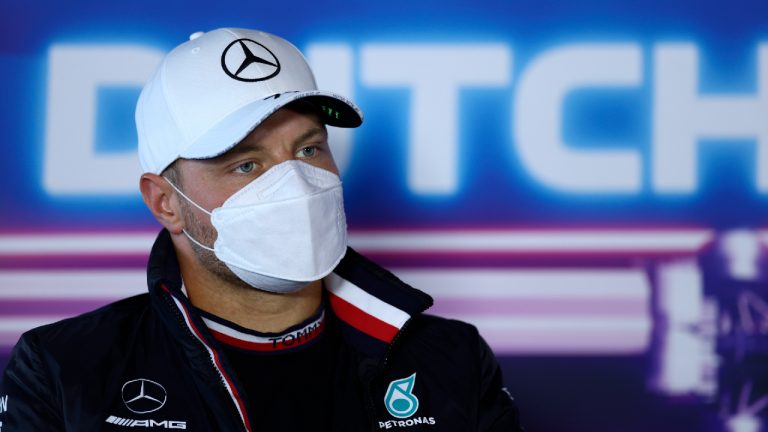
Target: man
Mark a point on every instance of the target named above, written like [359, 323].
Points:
[258, 316]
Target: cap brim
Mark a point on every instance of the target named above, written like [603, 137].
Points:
[333, 110]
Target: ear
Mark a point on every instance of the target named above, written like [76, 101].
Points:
[161, 200]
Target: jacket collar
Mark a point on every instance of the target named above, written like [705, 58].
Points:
[372, 305]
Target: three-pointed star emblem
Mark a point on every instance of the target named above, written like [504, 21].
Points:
[249, 61]
[143, 396]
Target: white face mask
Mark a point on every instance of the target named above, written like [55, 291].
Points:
[283, 230]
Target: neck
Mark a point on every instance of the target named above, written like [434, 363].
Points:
[257, 310]
[245, 306]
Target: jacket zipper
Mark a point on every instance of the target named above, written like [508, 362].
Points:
[372, 403]
[181, 321]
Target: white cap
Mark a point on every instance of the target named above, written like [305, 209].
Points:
[212, 91]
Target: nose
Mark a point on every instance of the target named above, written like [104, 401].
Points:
[283, 156]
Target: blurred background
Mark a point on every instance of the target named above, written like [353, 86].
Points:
[585, 181]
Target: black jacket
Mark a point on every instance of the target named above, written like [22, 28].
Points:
[149, 363]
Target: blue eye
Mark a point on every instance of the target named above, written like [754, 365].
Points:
[246, 167]
[308, 151]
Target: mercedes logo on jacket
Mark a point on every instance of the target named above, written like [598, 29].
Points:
[143, 396]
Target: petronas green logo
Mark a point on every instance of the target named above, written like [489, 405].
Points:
[400, 400]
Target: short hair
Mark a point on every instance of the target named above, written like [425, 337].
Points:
[173, 174]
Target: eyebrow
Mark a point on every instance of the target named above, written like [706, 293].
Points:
[258, 148]
[310, 133]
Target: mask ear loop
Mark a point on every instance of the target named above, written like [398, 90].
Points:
[186, 197]
[192, 239]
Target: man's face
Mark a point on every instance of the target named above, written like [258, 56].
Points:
[285, 135]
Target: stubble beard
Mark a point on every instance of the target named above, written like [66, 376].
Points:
[206, 235]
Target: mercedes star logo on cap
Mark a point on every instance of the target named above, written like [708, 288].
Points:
[143, 396]
[249, 61]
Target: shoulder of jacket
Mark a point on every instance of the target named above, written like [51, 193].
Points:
[432, 325]
[90, 330]
[428, 335]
